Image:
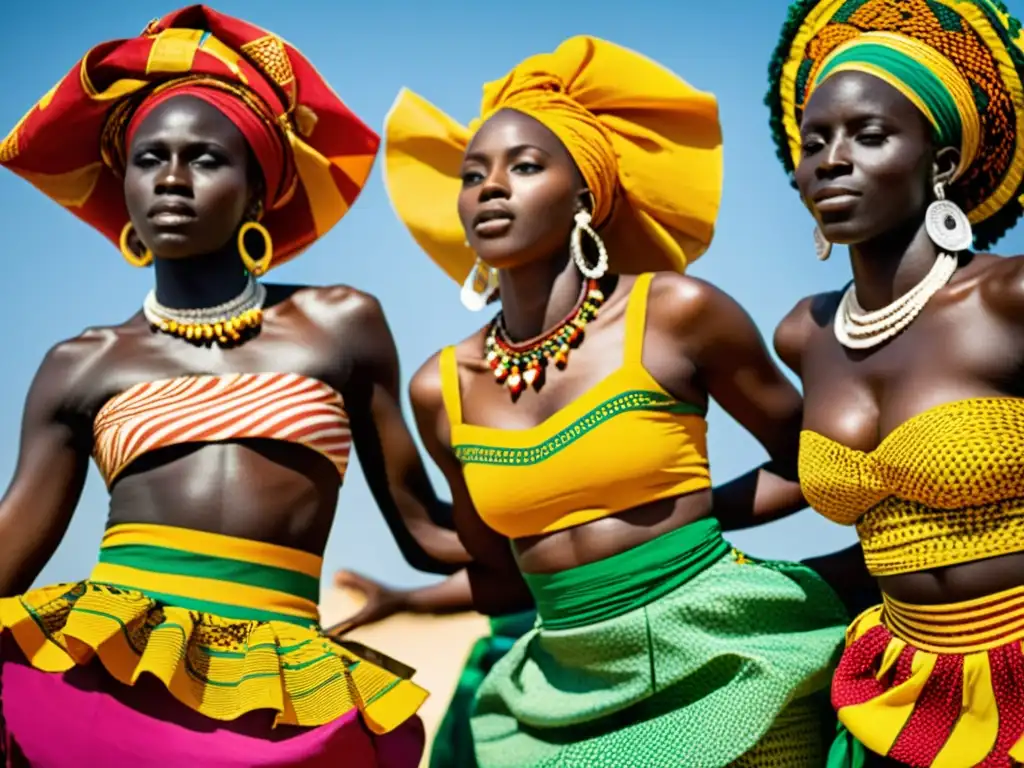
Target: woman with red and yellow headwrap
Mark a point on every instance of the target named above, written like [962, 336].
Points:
[901, 123]
[571, 428]
[221, 418]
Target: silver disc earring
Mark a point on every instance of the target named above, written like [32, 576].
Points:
[946, 223]
[822, 246]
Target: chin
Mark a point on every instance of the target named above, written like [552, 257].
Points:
[173, 245]
[844, 233]
[498, 257]
[508, 253]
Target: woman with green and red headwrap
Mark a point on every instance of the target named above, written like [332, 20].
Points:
[901, 123]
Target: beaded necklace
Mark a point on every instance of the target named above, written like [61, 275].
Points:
[519, 365]
[225, 324]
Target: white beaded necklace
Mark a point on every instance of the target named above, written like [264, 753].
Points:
[224, 323]
[856, 328]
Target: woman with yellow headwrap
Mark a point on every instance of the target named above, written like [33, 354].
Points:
[572, 431]
[221, 417]
[902, 124]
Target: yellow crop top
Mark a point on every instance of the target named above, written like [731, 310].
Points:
[623, 443]
[945, 487]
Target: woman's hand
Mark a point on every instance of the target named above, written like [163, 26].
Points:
[381, 602]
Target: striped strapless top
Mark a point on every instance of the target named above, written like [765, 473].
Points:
[208, 409]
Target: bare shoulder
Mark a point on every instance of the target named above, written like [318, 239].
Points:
[425, 389]
[63, 379]
[680, 300]
[425, 386]
[698, 313]
[794, 331]
[1001, 280]
[334, 305]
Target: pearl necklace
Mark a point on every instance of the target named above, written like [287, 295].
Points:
[224, 323]
[856, 328]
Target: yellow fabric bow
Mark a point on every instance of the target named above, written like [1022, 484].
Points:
[648, 145]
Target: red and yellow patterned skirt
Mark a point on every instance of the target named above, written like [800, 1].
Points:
[937, 686]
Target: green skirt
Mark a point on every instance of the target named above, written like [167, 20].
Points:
[680, 652]
[453, 742]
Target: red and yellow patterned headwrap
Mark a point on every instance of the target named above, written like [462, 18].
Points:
[961, 62]
[315, 154]
[649, 147]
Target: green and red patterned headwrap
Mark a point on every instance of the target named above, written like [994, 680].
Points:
[960, 62]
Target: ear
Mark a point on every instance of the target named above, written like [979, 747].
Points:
[945, 164]
[585, 200]
[134, 242]
[254, 210]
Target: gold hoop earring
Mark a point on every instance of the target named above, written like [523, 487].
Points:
[135, 259]
[256, 267]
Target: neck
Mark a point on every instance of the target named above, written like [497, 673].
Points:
[888, 266]
[199, 281]
[536, 297]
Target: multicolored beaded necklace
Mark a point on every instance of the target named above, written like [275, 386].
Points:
[521, 365]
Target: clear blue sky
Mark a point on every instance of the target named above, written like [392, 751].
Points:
[61, 276]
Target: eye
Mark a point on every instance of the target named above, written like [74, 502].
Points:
[872, 138]
[208, 160]
[810, 146]
[145, 160]
[527, 168]
[471, 177]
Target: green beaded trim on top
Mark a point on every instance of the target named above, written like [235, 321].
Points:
[634, 400]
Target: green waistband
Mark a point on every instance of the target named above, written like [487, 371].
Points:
[176, 562]
[632, 579]
[514, 625]
[153, 571]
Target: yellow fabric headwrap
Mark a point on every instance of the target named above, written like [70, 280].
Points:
[648, 145]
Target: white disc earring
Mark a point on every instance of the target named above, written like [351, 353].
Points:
[597, 271]
[479, 286]
[946, 223]
[822, 245]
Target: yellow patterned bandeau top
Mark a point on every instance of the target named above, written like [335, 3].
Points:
[945, 487]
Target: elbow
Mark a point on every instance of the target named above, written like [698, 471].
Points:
[498, 594]
[422, 561]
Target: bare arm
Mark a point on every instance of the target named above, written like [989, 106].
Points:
[495, 582]
[388, 454]
[737, 371]
[453, 595]
[49, 477]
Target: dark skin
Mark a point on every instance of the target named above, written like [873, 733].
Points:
[453, 595]
[861, 134]
[188, 186]
[698, 344]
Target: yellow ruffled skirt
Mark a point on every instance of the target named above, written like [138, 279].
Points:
[228, 625]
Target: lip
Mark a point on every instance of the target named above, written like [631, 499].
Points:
[492, 221]
[835, 199]
[171, 213]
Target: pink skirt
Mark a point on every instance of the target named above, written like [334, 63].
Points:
[84, 717]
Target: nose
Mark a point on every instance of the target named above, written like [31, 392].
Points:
[174, 179]
[835, 160]
[495, 185]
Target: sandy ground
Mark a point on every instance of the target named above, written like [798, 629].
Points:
[435, 646]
